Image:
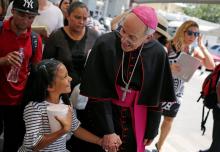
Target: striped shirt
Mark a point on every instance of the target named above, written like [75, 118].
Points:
[37, 124]
[178, 85]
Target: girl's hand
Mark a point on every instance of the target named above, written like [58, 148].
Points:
[99, 142]
[66, 121]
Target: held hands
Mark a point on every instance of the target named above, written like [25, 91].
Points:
[111, 142]
[99, 141]
[66, 122]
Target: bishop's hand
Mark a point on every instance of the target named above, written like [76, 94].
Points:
[111, 142]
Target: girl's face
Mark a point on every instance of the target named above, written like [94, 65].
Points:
[77, 19]
[190, 35]
[62, 80]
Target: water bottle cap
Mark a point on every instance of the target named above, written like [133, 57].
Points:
[21, 53]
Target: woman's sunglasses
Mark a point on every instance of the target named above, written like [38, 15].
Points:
[190, 33]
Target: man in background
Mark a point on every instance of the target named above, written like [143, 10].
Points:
[16, 34]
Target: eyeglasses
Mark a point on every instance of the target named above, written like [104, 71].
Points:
[132, 40]
[190, 33]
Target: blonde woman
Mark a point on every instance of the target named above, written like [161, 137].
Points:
[187, 34]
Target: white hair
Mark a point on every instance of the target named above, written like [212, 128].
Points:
[149, 31]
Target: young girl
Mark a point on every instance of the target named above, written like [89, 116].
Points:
[49, 82]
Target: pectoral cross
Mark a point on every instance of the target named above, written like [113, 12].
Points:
[125, 91]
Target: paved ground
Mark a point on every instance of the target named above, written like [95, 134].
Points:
[186, 135]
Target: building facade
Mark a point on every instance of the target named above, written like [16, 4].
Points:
[107, 8]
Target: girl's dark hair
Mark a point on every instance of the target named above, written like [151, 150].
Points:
[41, 76]
[75, 5]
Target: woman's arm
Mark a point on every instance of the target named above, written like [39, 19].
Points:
[204, 56]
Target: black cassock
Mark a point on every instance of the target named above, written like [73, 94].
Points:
[152, 78]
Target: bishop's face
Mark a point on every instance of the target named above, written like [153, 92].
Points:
[132, 33]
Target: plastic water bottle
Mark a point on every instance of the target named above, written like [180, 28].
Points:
[13, 74]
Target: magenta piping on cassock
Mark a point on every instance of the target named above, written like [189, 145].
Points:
[138, 113]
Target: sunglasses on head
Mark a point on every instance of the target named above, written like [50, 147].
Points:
[190, 33]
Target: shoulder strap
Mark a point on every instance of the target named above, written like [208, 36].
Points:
[204, 119]
[1, 24]
[34, 43]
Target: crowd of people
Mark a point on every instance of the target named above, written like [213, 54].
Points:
[126, 78]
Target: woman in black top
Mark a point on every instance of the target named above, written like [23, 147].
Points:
[71, 44]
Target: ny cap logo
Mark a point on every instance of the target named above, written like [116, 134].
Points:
[28, 3]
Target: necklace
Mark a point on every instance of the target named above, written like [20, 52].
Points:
[126, 90]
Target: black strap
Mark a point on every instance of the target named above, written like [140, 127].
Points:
[1, 24]
[218, 75]
[199, 97]
[162, 27]
[34, 43]
[204, 119]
